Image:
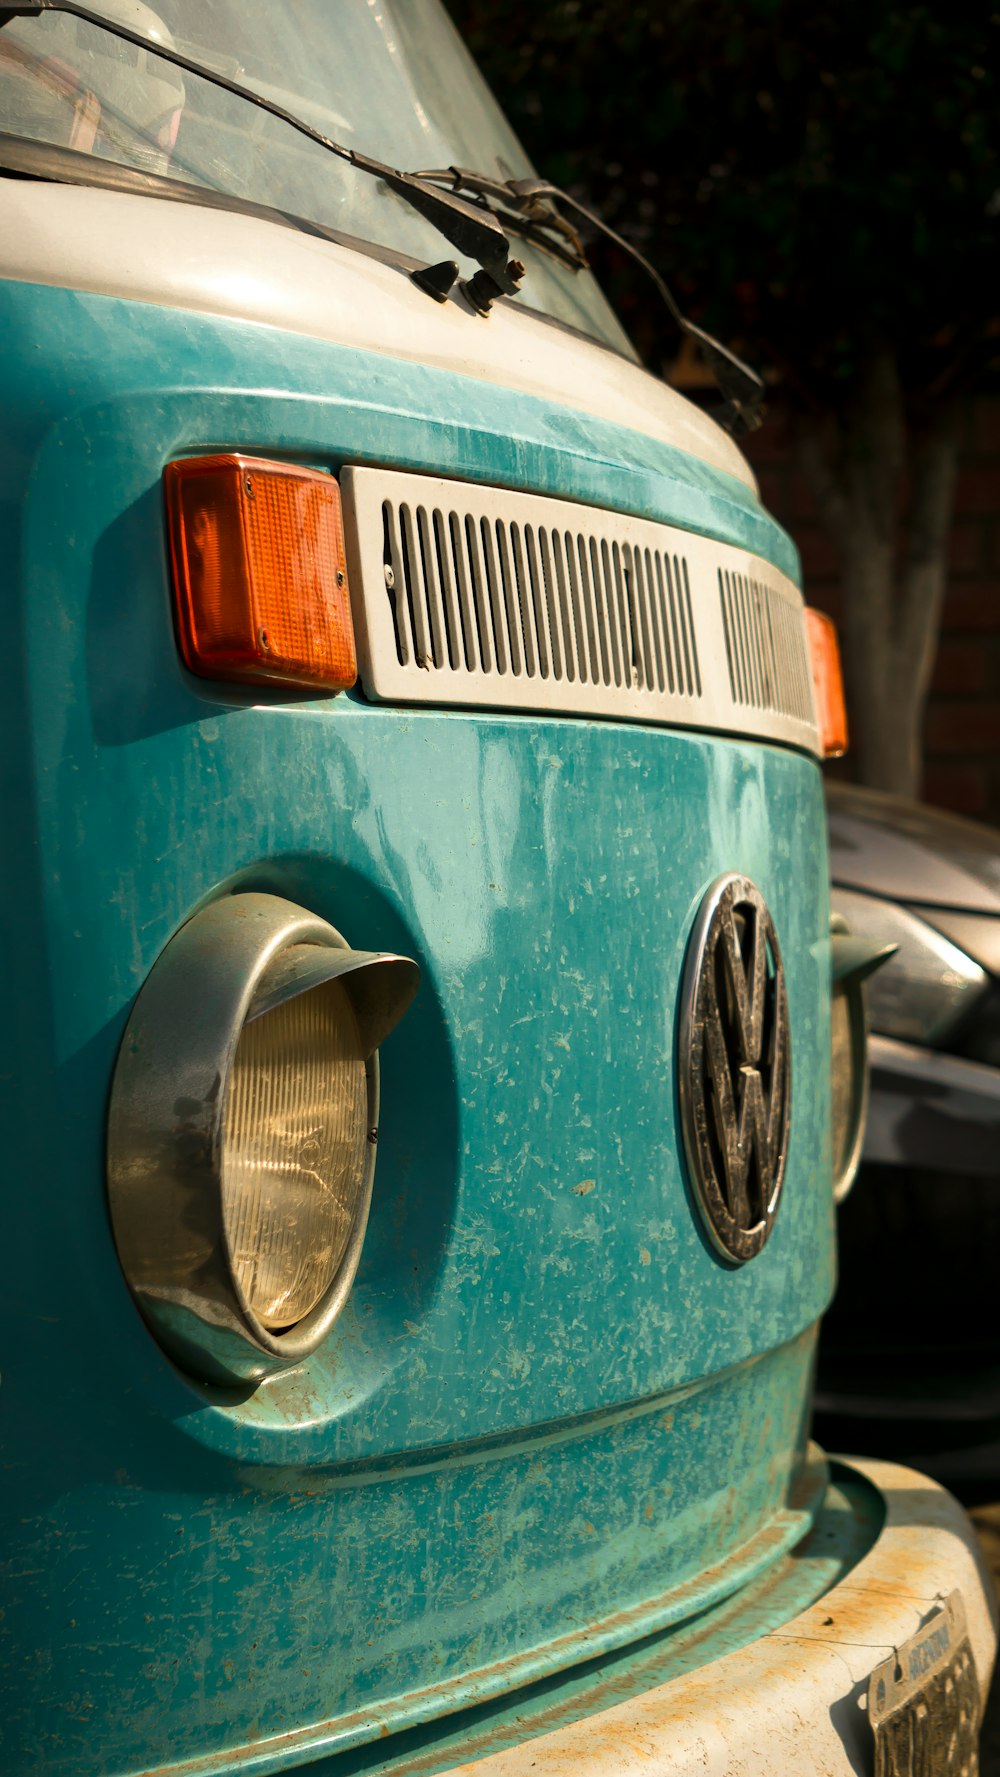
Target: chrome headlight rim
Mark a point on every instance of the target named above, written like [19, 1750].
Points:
[853, 991]
[235, 959]
[853, 959]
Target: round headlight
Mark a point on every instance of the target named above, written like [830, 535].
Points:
[242, 1132]
[848, 1083]
[853, 959]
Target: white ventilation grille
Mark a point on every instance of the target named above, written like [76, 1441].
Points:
[476, 596]
[765, 648]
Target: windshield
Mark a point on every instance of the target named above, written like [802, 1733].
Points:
[388, 77]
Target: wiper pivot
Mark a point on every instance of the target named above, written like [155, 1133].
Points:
[535, 200]
[536, 220]
[471, 228]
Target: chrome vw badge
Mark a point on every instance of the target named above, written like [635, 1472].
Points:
[735, 1066]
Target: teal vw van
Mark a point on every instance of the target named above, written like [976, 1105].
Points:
[427, 1067]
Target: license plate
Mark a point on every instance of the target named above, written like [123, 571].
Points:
[923, 1702]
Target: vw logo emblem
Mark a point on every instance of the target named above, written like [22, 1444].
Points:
[735, 1067]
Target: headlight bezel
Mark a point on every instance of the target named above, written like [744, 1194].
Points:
[851, 994]
[234, 958]
[853, 959]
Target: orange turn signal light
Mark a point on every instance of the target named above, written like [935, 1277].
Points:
[828, 682]
[260, 578]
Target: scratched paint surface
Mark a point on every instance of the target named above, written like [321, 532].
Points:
[844, 1531]
[548, 1408]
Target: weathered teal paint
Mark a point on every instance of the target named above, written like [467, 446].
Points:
[356, 406]
[548, 1403]
[845, 1529]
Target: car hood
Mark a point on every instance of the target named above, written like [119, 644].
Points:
[887, 845]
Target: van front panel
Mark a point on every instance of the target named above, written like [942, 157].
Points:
[550, 1418]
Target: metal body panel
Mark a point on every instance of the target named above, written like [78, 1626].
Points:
[795, 1698]
[149, 250]
[355, 405]
[932, 1110]
[929, 987]
[909, 852]
[543, 1372]
[978, 934]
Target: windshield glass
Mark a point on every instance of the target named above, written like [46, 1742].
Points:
[388, 77]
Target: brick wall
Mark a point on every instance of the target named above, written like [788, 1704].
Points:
[962, 733]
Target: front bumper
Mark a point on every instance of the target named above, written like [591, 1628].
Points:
[794, 1699]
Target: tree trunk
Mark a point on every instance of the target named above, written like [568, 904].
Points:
[884, 487]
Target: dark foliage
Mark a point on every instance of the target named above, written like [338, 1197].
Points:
[815, 181]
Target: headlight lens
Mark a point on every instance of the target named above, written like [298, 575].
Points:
[847, 1076]
[295, 1150]
[853, 961]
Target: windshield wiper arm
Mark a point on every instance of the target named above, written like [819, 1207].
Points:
[471, 228]
[533, 202]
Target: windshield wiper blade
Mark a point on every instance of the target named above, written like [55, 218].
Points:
[471, 228]
[535, 200]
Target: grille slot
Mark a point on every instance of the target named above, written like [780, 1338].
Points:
[765, 648]
[476, 596]
[538, 603]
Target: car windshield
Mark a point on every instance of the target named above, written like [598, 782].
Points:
[390, 78]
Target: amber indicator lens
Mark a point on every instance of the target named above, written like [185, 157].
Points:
[828, 682]
[260, 578]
